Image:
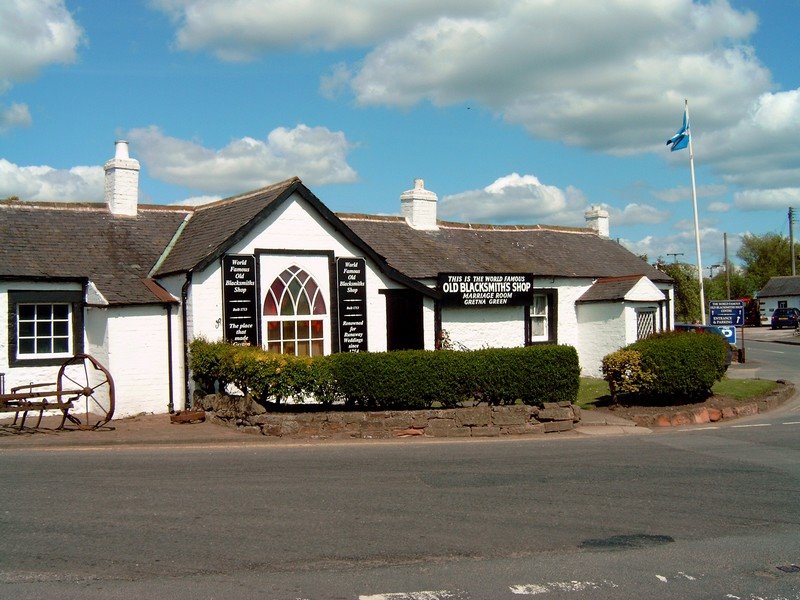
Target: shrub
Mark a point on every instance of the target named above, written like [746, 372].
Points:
[684, 366]
[624, 373]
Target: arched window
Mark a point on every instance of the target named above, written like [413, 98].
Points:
[295, 311]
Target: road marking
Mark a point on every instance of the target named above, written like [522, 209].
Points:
[661, 578]
[700, 428]
[753, 425]
[427, 595]
[791, 423]
[532, 589]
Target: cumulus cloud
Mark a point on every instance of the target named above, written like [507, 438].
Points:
[16, 115]
[767, 199]
[43, 183]
[33, 34]
[719, 207]
[515, 198]
[684, 193]
[315, 154]
[242, 29]
[636, 214]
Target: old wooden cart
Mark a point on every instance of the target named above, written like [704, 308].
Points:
[83, 393]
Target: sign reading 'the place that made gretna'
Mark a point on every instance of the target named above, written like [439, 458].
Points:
[486, 289]
[239, 299]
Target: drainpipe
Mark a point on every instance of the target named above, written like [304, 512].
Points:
[187, 403]
[171, 404]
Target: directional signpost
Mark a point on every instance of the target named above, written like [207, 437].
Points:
[727, 315]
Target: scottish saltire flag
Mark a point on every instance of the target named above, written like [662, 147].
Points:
[680, 140]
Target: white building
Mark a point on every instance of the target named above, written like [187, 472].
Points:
[132, 285]
[778, 292]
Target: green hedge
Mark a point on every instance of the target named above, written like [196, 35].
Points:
[392, 380]
[673, 367]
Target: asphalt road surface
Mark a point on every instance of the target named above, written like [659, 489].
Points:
[698, 513]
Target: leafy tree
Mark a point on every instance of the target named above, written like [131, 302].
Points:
[742, 286]
[687, 290]
[765, 256]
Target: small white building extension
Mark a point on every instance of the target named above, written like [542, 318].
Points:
[133, 285]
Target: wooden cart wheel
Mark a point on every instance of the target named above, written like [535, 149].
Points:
[93, 405]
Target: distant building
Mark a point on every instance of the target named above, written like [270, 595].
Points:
[779, 292]
[133, 284]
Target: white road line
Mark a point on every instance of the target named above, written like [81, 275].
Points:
[700, 428]
[661, 578]
[428, 595]
[753, 425]
[791, 423]
[532, 589]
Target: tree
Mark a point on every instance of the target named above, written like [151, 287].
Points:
[765, 256]
[687, 290]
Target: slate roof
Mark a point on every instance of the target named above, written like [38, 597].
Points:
[610, 289]
[456, 247]
[61, 241]
[215, 227]
[781, 286]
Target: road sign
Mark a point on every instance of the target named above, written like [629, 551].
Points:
[729, 333]
[727, 312]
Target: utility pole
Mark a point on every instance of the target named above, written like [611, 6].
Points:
[791, 240]
[727, 267]
[674, 256]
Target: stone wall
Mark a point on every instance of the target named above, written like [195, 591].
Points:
[316, 422]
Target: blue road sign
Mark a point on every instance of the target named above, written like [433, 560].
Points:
[727, 312]
[729, 333]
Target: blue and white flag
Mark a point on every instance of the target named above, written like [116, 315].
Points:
[680, 140]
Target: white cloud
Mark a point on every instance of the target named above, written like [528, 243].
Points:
[769, 199]
[43, 183]
[33, 34]
[515, 198]
[197, 201]
[16, 115]
[718, 207]
[315, 154]
[636, 214]
[242, 29]
[684, 193]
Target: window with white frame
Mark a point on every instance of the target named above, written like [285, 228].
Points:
[539, 318]
[44, 326]
[44, 330]
[645, 323]
[295, 312]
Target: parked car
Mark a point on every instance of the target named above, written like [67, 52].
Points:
[785, 317]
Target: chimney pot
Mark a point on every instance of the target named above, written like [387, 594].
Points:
[418, 206]
[122, 182]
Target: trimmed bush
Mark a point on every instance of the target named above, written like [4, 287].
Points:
[392, 380]
[678, 367]
[624, 373]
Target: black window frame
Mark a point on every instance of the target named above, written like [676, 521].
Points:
[72, 297]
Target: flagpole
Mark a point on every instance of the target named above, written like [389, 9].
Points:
[696, 223]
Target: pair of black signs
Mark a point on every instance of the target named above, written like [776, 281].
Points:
[241, 306]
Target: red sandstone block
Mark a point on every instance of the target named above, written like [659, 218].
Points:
[663, 421]
[700, 415]
[714, 414]
[679, 419]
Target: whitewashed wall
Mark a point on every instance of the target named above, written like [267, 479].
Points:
[495, 327]
[769, 305]
[602, 330]
[138, 359]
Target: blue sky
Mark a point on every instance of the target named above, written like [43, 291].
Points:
[513, 111]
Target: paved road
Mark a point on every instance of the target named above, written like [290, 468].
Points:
[699, 513]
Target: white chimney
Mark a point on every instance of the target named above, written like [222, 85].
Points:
[122, 182]
[597, 219]
[418, 206]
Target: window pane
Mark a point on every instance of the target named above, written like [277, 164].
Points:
[44, 311]
[60, 345]
[273, 330]
[316, 348]
[537, 326]
[270, 306]
[44, 346]
[60, 311]
[288, 348]
[539, 305]
[287, 307]
[274, 347]
[61, 328]
[303, 330]
[303, 307]
[303, 349]
[288, 330]
[26, 329]
[319, 304]
[26, 346]
[294, 288]
[27, 312]
[44, 329]
[316, 328]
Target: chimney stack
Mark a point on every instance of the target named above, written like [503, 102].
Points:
[418, 206]
[597, 219]
[122, 182]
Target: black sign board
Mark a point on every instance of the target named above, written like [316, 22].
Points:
[351, 283]
[240, 299]
[486, 289]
